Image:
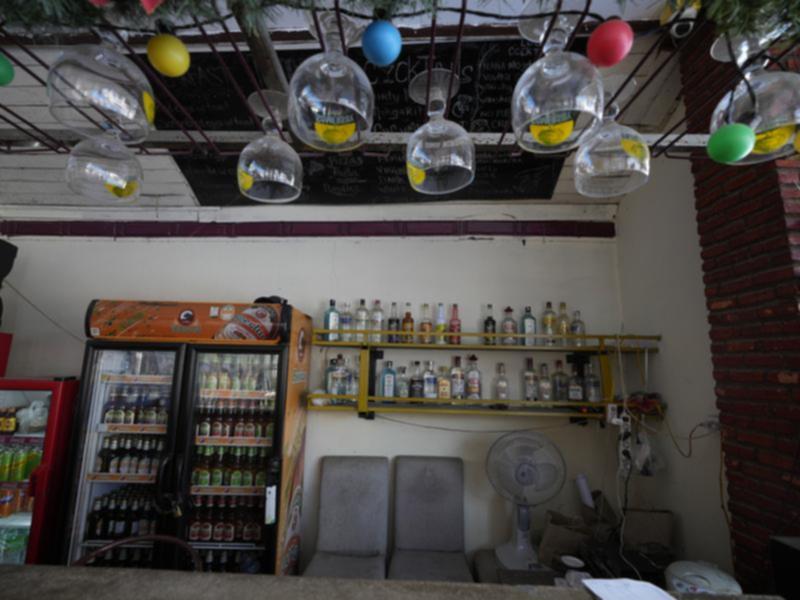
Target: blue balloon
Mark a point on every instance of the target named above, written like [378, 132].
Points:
[381, 43]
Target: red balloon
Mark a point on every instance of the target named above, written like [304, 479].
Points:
[610, 43]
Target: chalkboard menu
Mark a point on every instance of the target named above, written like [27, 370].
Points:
[489, 70]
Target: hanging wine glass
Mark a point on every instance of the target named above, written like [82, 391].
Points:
[440, 155]
[738, 48]
[94, 90]
[103, 169]
[269, 169]
[558, 100]
[331, 101]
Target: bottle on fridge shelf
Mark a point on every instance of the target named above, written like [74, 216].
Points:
[114, 457]
[591, 382]
[509, 326]
[530, 382]
[472, 379]
[408, 325]
[562, 325]
[560, 383]
[429, 381]
[489, 326]
[387, 380]
[440, 327]
[201, 470]
[224, 382]
[454, 326]
[545, 384]
[100, 461]
[332, 321]
[393, 324]
[443, 387]
[501, 382]
[527, 326]
[361, 322]
[403, 385]
[376, 323]
[346, 323]
[577, 327]
[416, 384]
[575, 392]
[457, 384]
[549, 324]
[425, 325]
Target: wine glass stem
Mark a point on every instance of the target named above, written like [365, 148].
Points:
[437, 102]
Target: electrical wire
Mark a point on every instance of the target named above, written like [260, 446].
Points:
[30, 303]
[456, 430]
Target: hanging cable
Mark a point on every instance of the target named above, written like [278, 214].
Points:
[30, 303]
[456, 64]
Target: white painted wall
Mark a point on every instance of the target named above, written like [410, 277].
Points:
[661, 290]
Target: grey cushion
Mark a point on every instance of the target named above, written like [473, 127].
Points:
[325, 564]
[429, 566]
[429, 504]
[354, 505]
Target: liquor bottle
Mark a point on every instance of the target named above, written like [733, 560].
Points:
[527, 325]
[489, 326]
[473, 379]
[509, 326]
[501, 383]
[549, 324]
[114, 456]
[591, 382]
[346, 323]
[393, 324]
[102, 458]
[330, 384]
[562, 324]
[408, 325]
[332, 321]
[530, 387]
[443, 387]
[403, 386]
[457, 386]
[575, 390]
[376, 323]
[577, 327]
[352, 377]
[425, 325]
[560, 383]
[545, 384]
[454, 326]
[440, 326]
[386, 383]
[416, 384]
[361, 321]
[429, 381]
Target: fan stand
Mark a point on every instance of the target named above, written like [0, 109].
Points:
[518, 554]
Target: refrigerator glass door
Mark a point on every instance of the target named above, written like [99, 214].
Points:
[129, 395]
[233, 398]
[23, 420]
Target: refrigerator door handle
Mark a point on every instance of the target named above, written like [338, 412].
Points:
[166, 502]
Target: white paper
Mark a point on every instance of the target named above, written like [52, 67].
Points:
[625, 589]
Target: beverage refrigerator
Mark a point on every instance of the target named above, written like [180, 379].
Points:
[35, 428]
[192, 425]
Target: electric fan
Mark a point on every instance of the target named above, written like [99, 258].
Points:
[528, 469]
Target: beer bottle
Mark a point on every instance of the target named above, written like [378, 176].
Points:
[155, 457]
[260, 478]
[94, 523]
[111, 518]
[122, 561]
[218, 519]
[125, 456]
[195, 519]
[258, 519]
[136, 558]
[249, 419]
[208, 563]
[162, 416]
[136, 455]
[101, 461]
[217, 422]
[229, 532]
[239, 427]
[223, 561]
[204, 421]
[143, 466]
[217, 466]
[206, 520]
[122, 525]
[152, 518]
[133, 519]
[113, 456]
[150, 410]
[228, 419]
[129, 417]
[249, 466]
[236, 467]
[238, 520]
[251, 525]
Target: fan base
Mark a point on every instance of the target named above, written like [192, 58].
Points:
[517, 556]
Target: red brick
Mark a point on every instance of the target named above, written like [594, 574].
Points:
[757, 439]
[773, 459]
[759, 297]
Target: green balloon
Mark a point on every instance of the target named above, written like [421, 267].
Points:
[731, 143]
[6, 70]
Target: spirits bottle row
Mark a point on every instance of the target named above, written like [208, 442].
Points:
[129, 454]
[236, 372]
[226, 519]
[223, 466]
[127, 512]
[235, 418]
[456, 382]
[347, 326]
[139, 404]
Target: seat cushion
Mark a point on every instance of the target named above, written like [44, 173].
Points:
[327, 564]
[429, 566]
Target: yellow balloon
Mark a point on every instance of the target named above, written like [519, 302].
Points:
[168, 55]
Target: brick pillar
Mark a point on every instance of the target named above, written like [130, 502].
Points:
[748, 219]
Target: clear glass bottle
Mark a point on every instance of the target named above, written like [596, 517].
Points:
[562, 325]
[577, 327]
[545, 384]
[376, 323]
[509, 326]
[593, 392]
[387, 381]
[472, 379]
[457, 386]
[352, 377]
[489, 326]
[340, 379]
[330, 380]
[575, 391]
[361, 321]
[455, 325]
[440, 327]
[443, 387]
[408, 325]
[393, 324]
[560, 383]
[501, 382]
[429, 381]
[425, 325]
[403, 387]
[530, 387]
[416, 385]
[549, 324]
[527, 325]
[346, 322]
[332, 321]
